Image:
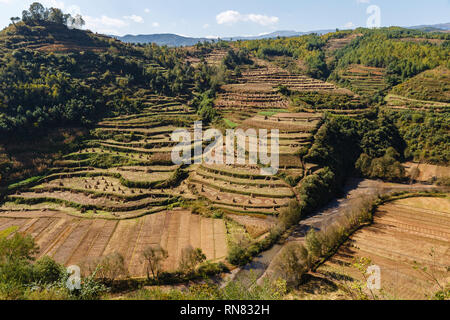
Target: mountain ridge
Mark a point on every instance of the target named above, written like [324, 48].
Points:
[175, 40]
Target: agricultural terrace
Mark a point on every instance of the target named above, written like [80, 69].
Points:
[428, 91]
[115, 195]
[366, 81]
[404, 232]
[240, 189]
[74, 241]
[124, 171]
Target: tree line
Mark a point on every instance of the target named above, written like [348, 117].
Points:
[37, 13]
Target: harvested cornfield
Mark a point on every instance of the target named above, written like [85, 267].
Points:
[404, 232]
[72, 241]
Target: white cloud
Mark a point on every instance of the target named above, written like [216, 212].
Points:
[231, 17]
[349, 25]
[155, 24]
[262, 19]
[134, 18]
[147, 10]
[105, 24]
[206, 26]
[74, 9]
[362, 1]
[228, 17]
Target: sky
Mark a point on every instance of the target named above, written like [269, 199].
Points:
[213, 18]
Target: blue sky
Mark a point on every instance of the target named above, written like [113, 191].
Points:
[236, 17]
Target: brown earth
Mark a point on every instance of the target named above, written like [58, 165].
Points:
[72, 240]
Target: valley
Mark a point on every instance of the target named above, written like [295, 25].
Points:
[363, 160]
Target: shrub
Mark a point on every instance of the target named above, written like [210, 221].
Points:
[47, 271]
[291, 215]
[190, 259]
[16, 255]
[108, 268]
[154, 256]
[293, 264]
[238, 256]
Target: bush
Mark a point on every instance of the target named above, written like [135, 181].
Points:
[290, 215]
[190, 259]
[16, 255]
[47, 271]
[386, 168]
[238, 256]
[107, 269]
[292, 264]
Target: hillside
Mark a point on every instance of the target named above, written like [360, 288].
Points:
[174, 40]
[87, 128]
[431, 85]
[433, 28]
[52, 37]
[53, 77]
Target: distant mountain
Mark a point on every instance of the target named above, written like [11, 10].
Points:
[164, 39]
[433, 27]
[276, 34]
[173, 40]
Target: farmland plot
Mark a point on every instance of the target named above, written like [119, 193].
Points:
[405, 231]
[71, 240]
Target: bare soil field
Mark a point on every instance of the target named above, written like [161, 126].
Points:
[404, 232]
[255, 226]
[72, 240]
[428, 172]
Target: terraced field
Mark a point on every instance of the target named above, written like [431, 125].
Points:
[216, 57]
[115, 195]
[72, 241]
[240, 189]
[124, 172]
[256, 88]
[404, 231]
[253, 102]
[117, 192]
[397, 102]
[335, 44]
[432, 85]
[364, 80]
